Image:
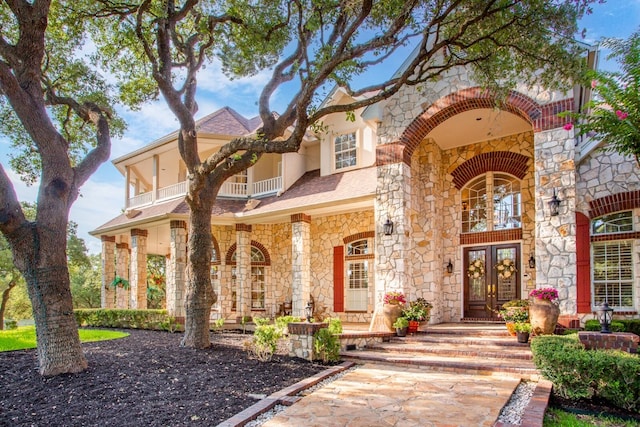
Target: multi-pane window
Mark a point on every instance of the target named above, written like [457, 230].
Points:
[258, 282]
[612, 269]
[613, 223]
[345, 150]
[357, 283]
[491, 202]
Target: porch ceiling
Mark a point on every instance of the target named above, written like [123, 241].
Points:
[475, 126]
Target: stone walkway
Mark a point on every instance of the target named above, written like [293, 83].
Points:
[385, 395]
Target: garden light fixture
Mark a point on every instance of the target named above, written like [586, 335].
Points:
[387, 227]
[605, 314]
[554, 204]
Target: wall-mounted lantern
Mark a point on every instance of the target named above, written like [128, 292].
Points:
[532, 262]
[554, 204]
[450, 267]
[387, 227]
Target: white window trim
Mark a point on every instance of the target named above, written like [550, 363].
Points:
[332, 141]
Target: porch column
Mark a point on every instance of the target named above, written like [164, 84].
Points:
[243, 270]
[107, 293]
[556, 235]
[155, 182]
[138, 277]
[176, 268]
[122, 270]
[301, 262]
[393, 202]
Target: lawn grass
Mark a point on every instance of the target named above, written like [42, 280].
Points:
[25, 337]
[555, 417]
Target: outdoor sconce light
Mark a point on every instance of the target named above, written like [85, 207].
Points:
[554, 204]
[387, 227]
[532, 262]
[450, 267]
[605, 314]
[308, 310]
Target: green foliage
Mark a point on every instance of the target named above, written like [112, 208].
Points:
[418, 310]
[283, 321]
[86, 282]
[326, 346]
[555, 417]
[614, 112]
[156, 281]
[25, 337]
[522, 327]
[631, 325]
[594, 325]
[516, 303]
[515, 314]
[136, 319]
[400, 323]
[10, 324]
[120, 282]
[335, 325]
[217, 324]
[261, 321]
[578, 373]
[265, 341]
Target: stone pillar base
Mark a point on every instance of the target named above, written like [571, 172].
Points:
[301, 339]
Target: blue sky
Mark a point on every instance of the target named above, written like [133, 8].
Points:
[102, 196]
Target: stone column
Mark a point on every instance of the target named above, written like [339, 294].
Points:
[392, 271]
[556, 235]
[107, 293]
[301, 262]
[243, 270]
[176, 268]
[122, 270]
[138, 276]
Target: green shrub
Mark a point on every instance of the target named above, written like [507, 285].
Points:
[117, 318]
[401, 322]
[631, 325]
[594, 326]
[261, 321]
[265, 341]
[579, 373]
[326, 346]
[283, 321]
[10, 324]
[335, 325]
[217, 324]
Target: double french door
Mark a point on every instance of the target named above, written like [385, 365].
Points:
[491, 278]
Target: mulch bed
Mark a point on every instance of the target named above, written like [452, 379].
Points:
[145, 379]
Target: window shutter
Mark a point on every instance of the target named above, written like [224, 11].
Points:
[583, 264]
[338, 279]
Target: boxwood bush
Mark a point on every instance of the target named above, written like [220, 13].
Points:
[594, 325]
[117, 318]
[579, 373]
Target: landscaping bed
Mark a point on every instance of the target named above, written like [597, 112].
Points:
[145, 379]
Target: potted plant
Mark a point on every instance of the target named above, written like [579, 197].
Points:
[416, 312]
[401, 325]
[516, 310]
[393, 303]
[523, 329]
[120, 282]
[543, 310]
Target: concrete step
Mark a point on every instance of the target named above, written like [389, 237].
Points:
[484, 349]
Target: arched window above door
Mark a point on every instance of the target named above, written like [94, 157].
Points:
[491, 202]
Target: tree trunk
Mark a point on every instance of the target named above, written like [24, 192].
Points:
[5, 299]
[199, 293]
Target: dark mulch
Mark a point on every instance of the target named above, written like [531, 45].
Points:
[145, 379]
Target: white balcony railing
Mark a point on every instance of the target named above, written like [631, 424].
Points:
[271, 185]
[228, 189]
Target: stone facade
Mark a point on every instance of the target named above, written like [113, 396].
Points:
[175, 272]
[138, 268]
[122, 270]
[107, 293]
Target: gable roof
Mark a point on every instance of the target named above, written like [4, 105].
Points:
[227, 121]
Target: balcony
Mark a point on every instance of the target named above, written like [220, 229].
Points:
[232, 190]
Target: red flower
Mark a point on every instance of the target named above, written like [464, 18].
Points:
[568, 126]
[621, 114]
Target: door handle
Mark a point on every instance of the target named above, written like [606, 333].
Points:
[494, 289]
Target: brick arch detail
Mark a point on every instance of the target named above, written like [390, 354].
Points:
[540, 117]
[257, 245]
[501, 161]
[359, 236]
[614, 203]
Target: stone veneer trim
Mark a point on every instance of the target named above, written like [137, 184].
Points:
[122, 246]
[111, 239]
[614, 203]
[260, 246]
[500, 161]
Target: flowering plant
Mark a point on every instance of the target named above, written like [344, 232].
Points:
[506, 268]
[476, 269]
[394, 298]
[548, 294]
[418, 310]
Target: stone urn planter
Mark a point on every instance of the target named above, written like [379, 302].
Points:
[543, 315]
[390, 313]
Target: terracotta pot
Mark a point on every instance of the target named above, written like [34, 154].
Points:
[413, 326]
[543, 316]
[511, 328]
[390, 313]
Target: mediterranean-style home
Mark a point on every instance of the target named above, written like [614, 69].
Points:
[445, 193]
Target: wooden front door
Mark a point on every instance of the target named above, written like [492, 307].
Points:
[488, 281]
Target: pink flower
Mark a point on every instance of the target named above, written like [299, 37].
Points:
[621, 114]
[568, 126]
[594, 83]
